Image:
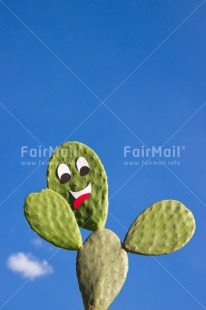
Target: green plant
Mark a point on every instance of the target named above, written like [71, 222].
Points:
[77, 195]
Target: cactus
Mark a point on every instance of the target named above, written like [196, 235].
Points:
[77, 195]
[85, 185]
[52, 218]
[102, 266]
[162, 228]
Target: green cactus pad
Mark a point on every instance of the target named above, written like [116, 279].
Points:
[162, 228]
[51, 217]
[76, 173]
[102, 266]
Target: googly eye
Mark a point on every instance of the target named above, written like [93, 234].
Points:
[63, 173]
[82, 166]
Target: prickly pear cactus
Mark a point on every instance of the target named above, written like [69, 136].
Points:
[76, 172]
[52, 218]
[162, 228]
[102, 266]
[77, 195]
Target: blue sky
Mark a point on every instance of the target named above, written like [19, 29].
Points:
[59, 61]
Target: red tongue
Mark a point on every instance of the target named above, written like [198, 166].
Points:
[80, 199]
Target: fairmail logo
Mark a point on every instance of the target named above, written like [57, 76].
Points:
[154, 151]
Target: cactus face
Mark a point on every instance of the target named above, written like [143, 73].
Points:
[102, 267]
[164, 227]
[76, 173]
[51, 217]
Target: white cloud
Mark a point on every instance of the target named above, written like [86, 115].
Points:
[28, 266]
